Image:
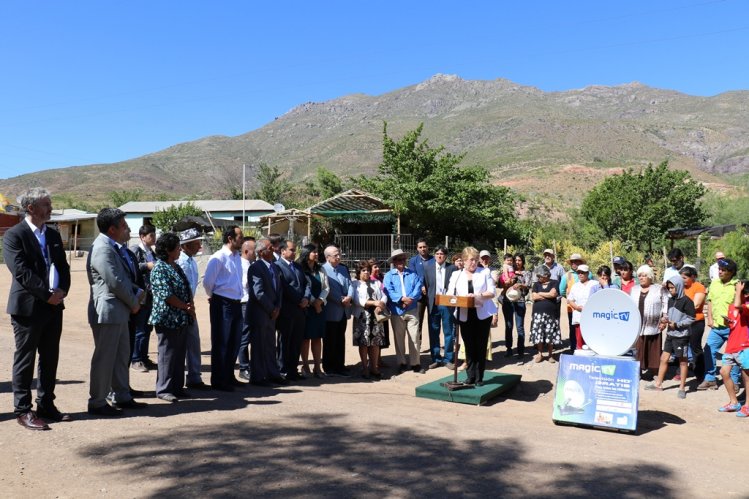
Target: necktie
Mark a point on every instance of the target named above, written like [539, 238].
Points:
[273, 274]
[126, 257]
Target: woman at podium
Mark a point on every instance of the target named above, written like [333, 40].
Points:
[475, 322]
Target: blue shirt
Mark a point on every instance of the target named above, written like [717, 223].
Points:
[190, 268]
[416, 264]
[395, 291]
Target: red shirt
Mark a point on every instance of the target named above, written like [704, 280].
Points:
[738, 338]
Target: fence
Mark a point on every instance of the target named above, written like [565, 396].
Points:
[358, 247]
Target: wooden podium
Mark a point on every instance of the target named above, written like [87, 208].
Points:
[455, 301]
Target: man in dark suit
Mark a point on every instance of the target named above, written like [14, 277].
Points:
[41, 279]
[437, 274]
[145, 261]
[292, 321]
[264, 307]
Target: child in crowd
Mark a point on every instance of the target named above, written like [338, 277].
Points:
[680, 317]
[737, 348]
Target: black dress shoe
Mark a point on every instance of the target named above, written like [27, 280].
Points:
[278, 380]
[244, 374]
[53, 414]
[150, 364]
[183, 394]
[260, 383]
[132, 404]
[236, 382]
[479, 383]
[402, 368]
[223, 388]
[105, 410]
[30, 421]
[137, 393]
[418, 369]
[198, 386]
[508, 353]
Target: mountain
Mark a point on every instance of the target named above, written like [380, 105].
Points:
[522, 134]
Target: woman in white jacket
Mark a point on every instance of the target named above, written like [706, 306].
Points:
[475, 323]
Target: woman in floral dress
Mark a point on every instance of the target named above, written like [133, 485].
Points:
[545, 321]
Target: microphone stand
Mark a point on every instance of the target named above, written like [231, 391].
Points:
[455, 384]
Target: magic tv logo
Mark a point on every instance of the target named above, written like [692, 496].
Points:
[612, 316]
[608, 370]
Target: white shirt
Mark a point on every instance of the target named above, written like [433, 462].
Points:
[713, 272]
[190, 268]
[245, 267]
[223, 275]
[441, 285]
[41, 236]
[147, 250]
[579, 295]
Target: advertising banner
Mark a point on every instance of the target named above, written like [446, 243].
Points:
[597, 391]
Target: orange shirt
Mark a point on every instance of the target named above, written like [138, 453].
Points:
[692, 290]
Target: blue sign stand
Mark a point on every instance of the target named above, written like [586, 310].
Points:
[597, 391]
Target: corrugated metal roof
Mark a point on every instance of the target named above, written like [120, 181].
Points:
[352, 201]
[210, 205]
[70, 215]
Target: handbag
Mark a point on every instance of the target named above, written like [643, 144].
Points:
[382, 316]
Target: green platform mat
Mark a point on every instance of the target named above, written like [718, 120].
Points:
[494, 385]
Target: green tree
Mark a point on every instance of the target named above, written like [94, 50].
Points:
[124, 196]
[638, 207]
[438, 197]
[328, 184]
[271, 184]
[165, 219]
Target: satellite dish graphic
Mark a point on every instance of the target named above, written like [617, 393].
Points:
[610, 322]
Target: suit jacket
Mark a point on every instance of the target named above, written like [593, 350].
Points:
[113, 287]
[296, 287]
[265, 296]
[138, 255]
[339, 286]
[430, 280]
[24, 258]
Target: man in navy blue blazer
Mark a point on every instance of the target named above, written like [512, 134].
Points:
[264, 307]
[437, 274]
[292, 321]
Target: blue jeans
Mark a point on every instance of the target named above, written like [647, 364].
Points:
[517, 308]
[715, 340]
[142, 335]
[441, 316]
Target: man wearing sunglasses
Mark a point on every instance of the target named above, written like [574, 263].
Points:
[676, 257]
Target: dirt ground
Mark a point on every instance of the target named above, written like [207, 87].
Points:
[354, 438]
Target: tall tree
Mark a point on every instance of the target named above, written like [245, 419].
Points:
[638, 207]
[166, 219]
[436, 195]
[271, 186]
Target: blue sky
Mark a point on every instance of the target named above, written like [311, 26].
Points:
[87, 82]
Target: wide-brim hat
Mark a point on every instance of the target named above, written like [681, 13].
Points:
[576, 257]
[189, 235]
[396, 253]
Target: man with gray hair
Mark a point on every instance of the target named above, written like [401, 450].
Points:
[35, 257]
[337, 313]
[263, 308]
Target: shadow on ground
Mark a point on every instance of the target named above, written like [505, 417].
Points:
[318, 457]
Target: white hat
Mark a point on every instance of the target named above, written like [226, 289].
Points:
[583, 268]
[484, 253]
[550, 252]
[396, 253]
[513, 294]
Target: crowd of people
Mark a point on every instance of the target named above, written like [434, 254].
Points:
[270, 304]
